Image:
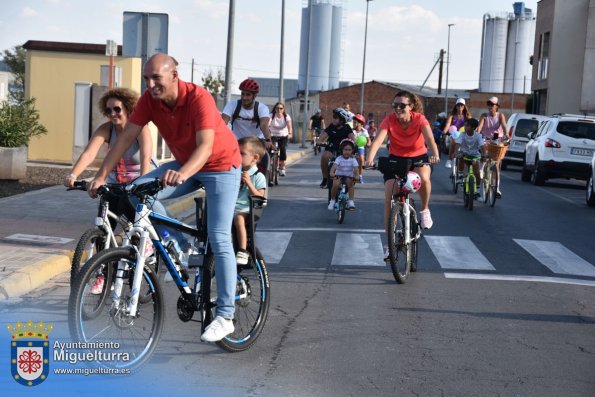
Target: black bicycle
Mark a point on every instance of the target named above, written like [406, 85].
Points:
[274, 165]
[136, 325]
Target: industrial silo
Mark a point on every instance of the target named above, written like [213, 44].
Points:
[521, 32]
[493, 53]
[325, 51]
[335, 58]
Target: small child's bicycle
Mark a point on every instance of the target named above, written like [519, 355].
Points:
[469, 183]
[341, 199]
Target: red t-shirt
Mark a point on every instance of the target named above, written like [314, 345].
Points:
[406, 142]
[195, 110]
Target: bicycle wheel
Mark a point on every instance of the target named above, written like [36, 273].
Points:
[471, 191]
[466, 193]
[276, 167]
[398, 252]
[493, 187]
[90, 243]
[485, 184]
[252, 302]
[137, 336]
[454, 178]
[341, 213]
[414, 238]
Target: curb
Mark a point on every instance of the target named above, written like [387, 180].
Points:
[34, 275]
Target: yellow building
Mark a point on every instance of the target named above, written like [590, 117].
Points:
[62, 77]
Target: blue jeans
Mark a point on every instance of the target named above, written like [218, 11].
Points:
[222, 189]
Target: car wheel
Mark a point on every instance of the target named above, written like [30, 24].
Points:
[538, 176]
[525, 173]
[590, 192]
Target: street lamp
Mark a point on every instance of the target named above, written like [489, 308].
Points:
[361, 100]
[447, 65]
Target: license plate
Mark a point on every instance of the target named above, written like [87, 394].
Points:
[519, 143]
[581, 152]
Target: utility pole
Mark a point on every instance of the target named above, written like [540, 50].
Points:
[281, 93]
[447, 65]
[229, 61]
[307, 92]
[361, 100]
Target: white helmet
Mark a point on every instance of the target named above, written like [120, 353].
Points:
[413, 183]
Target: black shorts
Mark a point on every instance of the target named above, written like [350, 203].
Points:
[415, 161]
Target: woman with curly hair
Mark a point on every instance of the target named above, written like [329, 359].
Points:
[117, 104]
[410, 137]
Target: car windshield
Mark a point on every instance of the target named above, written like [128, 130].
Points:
[577, 130]
[525, 126]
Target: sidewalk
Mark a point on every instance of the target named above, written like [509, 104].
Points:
[40, 229]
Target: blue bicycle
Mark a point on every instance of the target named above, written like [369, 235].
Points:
[136, 324]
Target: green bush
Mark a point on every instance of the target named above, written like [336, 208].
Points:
[18, 123]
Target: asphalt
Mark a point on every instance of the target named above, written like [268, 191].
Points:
[39, 231]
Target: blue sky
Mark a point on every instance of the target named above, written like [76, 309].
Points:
[404, 37]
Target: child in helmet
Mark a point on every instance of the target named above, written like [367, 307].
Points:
[358, 129]
[345, 166]
[470, 144]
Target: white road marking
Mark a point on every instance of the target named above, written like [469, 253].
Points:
[272, 245]
[356, 249]
[322, 229]
[458, 253]
[503, 277]
[39, 239]
[557, 257]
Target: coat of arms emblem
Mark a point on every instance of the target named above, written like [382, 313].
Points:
[30, 358]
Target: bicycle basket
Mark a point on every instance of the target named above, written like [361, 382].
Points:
[495, 151]
[394, 166]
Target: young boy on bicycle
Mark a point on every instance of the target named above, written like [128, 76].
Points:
[253, 184]
[470, 145]
[345, 166]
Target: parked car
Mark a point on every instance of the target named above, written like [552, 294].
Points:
[519, 126]
[562, 147]
[591, 183]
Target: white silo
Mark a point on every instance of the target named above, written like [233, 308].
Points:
[493, 53]
[325, 51]
[335, 59]
[521, 32]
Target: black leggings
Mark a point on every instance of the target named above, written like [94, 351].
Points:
[282, 142]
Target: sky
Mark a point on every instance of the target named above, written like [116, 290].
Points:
[404, 37]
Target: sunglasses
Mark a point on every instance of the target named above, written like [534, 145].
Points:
[490, 103]
[116, 109]
[400, 106]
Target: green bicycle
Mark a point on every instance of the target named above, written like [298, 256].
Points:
[469, 182]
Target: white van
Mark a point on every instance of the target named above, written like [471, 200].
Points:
[519, 126]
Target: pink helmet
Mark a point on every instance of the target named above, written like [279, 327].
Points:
[452, 129]
[359, 118]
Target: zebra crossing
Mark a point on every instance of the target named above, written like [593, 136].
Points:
[452, 253]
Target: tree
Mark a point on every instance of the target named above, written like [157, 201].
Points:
[15, 59]
[19, 122]
[213, 84]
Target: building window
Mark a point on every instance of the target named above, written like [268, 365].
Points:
[544, 54]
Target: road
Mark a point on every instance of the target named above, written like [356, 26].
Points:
[501, 305]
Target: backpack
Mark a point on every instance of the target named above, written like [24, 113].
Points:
[236, 113]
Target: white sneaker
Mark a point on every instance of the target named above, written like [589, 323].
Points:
[350, 205]
[425, 219]
[331, 205]
[282, 172]
[386, 254]
[448, 163]
[217, 330]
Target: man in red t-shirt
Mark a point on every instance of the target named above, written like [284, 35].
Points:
[205, 150]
